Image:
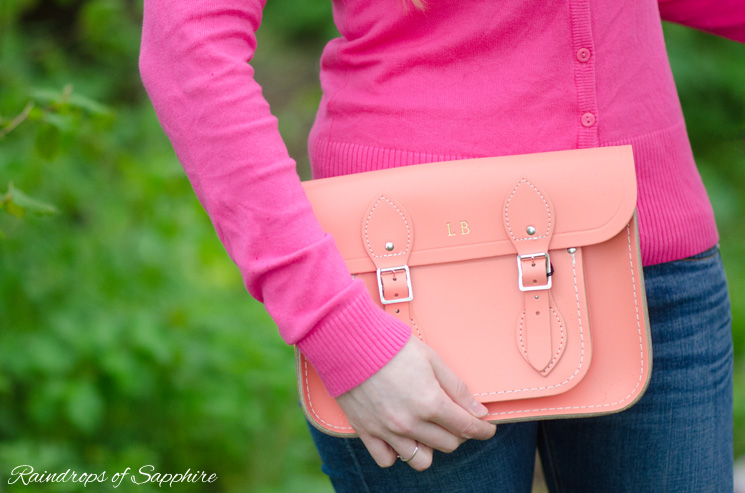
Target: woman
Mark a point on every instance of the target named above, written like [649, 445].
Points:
[407, 84]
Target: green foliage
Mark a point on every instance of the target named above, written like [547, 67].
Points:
[18, 204]
[298, 23]
[126, 336]
[54, 115]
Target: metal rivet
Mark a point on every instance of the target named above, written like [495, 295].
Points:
[536, 296]
[571, 250]
[531, 230]
[389, 246]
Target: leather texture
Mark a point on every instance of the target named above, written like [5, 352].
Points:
[524, 273]
[529, 220]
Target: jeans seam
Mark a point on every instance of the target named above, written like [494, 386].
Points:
[357, 466]
[542, 430]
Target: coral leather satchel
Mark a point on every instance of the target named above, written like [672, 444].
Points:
[522, 272]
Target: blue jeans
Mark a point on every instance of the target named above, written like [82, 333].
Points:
[677, 438]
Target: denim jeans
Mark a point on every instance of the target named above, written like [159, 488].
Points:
[677, 438]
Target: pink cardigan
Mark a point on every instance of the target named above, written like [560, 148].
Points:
[462, 79]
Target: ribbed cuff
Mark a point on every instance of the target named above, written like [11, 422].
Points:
[352, 343]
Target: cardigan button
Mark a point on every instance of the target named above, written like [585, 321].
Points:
[583, 55]
[588, 119]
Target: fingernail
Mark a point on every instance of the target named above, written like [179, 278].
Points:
[478, 409]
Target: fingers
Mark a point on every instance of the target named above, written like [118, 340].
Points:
[428, 433]
[453, 418]
[414, 400]
[381, 452]
[417, 455]
[455, 388]
[398, 430]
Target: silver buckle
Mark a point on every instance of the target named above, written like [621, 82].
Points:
[404, 268]
[533, 256]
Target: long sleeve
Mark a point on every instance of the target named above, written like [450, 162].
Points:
[194, 64]
[724, 18]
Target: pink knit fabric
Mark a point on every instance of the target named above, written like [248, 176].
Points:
[401, 87]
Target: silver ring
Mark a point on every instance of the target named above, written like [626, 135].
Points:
[416, 449]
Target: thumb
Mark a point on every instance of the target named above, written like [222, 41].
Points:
[455, 387]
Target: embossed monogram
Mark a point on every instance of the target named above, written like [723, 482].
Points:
[464, 229]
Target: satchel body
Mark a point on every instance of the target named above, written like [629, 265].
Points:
[522, 272]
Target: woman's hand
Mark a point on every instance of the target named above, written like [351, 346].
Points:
[414, 401]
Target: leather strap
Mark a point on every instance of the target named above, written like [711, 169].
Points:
[558, 333]
[387, 233]
[529, 220]
[388, 236]
[537, 317]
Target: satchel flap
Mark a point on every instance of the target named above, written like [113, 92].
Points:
[457, 207]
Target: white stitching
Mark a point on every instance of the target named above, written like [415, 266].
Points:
[522, 346]
[418, 332]
[310, 403]
[548, 368]
[582, 342]
[408, 230]
[641, 352]
[507, 212]
[582, 352]
[550, 365]
[561, 343]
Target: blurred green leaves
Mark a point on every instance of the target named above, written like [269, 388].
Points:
[67, 102]
[54, 118]
[126, 336]
[18, 204]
